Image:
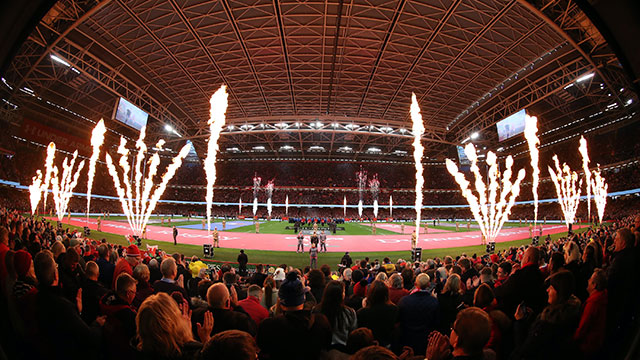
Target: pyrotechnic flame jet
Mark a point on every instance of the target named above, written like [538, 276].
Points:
[587, 173]
[97, 138]
[139, 199]
[418, 152]
[62, 189]
[269, 190]
[568, 193]
[530, 133]
[374, 186]
[217, 118]
[492, 206]
[35, 191]
[600, 188]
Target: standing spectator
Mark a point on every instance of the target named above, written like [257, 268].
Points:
[120, 326]
[4, 248]
[92, 292]
[346, 260]
[313, 256]
[243, 259]
[106, 267]
[342, 318]
[71, 277]
[316, 282]
[450, 301]
[168, 283]
[504, 269]
[525, 285]
[418, 315]
[591, 331]
[175, 235]
[396, 288]
[252, 304]
[221, 298]
[270, 292]
[143, 288]
[126, 264]
[469, 335]
[232, 345]
[378, 313]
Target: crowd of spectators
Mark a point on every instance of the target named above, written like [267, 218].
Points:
[69, 297]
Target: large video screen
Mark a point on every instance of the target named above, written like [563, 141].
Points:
[130, 115]
[464, 160]
[511, 126]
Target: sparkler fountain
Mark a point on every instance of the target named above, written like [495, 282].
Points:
[137, 199]
[600, 188]
[568, 194]
[240, 205]
[390, 206]
[218, 103]
[587, 173]
[256, 189]
[374, 187]
[48, 170]
[362, 183]
[489, 208]
[286, 205]
[269, 189]
[62, 188]
[344, 207]
[97, 138]
[530, 133]
[418, 152]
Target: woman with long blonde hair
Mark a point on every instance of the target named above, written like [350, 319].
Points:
[164, 330]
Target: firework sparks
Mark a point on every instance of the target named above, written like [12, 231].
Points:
[97, 138]
[362, 183]
[492, 206]
[139, 199]
[35, 191]
[218, 103]
[256, 189]
[269, 189]
[530, 133]
[62, 188]
[587, 173]
[568, 193]
[600, 188]
[418, 152]
[374, 187]
[48, 171]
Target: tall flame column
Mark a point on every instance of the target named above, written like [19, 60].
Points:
[217, 118]
[418, 152]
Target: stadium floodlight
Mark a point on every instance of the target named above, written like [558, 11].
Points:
[59, 60]
[259, 148]
[475, 135]
[345, 148]
[629, 102]
[230, 127]
[234, 149]
[374, 149]
[316, 148]
[286, 148]
[318, 124]
[351, 126]
[585, 77]
[168, 127]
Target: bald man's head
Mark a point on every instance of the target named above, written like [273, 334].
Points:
[218, 296]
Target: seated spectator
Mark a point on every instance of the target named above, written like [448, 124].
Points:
[379, 313]
[418, 315]
[143, 288]
[252, 304]
[258, 277]
[396, 288]
[126, 264]
[591, 330]
[342, 318]
[163, 331]
[92, 292]
[120, 326]
[504, 270]
[168, 284]
[304, 334]
[230, 345]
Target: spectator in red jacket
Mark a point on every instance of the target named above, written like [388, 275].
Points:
[126, 264]
[396, 288]
[591, 331]
[252, 304]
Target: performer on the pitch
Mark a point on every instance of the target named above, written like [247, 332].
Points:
[144, 232]
[413, 240]
[540, 227]
[468, 225]
[99, 224]
[323, 241]
[313, 256]
[215, 237]
[300, 242]
[373, 228]
[203, 224]
[426, 228]
[402, 228]
[530, 231]
[314, 239]
[224, 224]
[257, 227]
[175, 235]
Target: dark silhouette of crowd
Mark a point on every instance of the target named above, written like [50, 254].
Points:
[65, 296]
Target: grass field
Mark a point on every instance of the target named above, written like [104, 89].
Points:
[301, 260]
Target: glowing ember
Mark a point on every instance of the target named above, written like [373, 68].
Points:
[530, 133]
[587, 173]
[568, 193]
[492, 206]
[48, 170]
[62, 188]
[256, 189]
[390, 206]
[269, 189]
[139, 204]
[97, 138]
[35, 191]
[286, 205]
[418, 151]
[362, 183]
[218, 103]
[600, 188]
[374, 187]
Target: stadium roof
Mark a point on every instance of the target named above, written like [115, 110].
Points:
[322, 79]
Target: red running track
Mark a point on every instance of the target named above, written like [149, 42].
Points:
[335, 243]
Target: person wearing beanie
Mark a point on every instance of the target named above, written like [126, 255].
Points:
[25, 282]
[296, 334]
[127, 263]
[554, 327]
